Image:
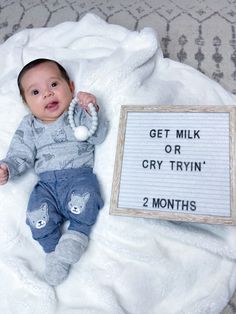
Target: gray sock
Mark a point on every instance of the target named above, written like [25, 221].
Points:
[71, 246]
[55, 271]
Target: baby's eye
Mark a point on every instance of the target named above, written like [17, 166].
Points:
[34, 92]
[54, 84]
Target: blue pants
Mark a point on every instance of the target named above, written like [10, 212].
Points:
[70, 194]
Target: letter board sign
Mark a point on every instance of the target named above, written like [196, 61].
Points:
[176, 163]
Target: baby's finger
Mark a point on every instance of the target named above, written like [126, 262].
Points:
[3, 180]
[3, 170]
[92, 100]
[3, 166]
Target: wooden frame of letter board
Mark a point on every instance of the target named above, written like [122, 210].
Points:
[189, 217]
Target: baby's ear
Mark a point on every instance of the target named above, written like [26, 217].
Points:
[72, 86]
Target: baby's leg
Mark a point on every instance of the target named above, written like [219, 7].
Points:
[44, 221]
[71, 246]
[68, 251]
[43, 217]
[82, 205]
[56, 271]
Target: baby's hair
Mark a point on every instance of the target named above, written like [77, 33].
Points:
[34, 63]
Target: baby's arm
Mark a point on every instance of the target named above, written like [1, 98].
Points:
[21, 153]
[4, 174]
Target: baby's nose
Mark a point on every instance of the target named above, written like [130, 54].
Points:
[48, 92]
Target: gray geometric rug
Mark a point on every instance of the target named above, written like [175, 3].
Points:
[200, 33]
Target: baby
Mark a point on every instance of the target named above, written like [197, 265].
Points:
[67, 189]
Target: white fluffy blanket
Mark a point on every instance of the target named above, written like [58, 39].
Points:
[132, 265]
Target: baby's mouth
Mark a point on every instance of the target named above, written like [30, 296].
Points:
[52, 106]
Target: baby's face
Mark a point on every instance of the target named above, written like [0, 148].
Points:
[46, 92]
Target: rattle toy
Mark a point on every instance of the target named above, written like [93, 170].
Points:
[82, 133]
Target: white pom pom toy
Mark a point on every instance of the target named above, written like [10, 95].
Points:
[82, 133]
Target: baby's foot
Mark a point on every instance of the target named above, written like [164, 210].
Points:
[71, 246]
[55, 271]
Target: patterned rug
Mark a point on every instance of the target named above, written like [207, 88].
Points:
[200, 33]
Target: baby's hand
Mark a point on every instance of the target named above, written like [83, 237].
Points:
[85, 99]
[3, 174]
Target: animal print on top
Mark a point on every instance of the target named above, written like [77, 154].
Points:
[59, 136]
